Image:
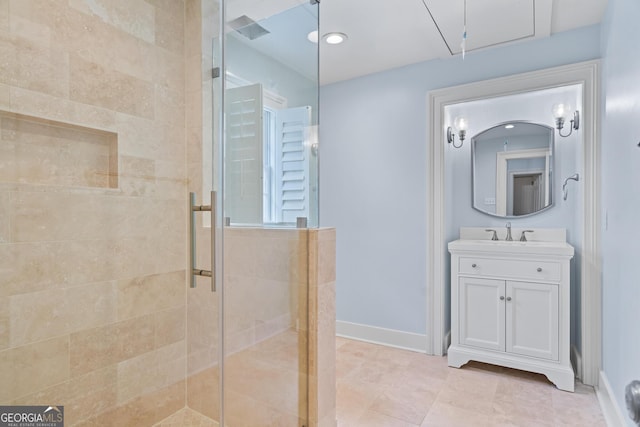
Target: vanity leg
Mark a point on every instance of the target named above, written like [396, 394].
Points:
[564, 379]
[455, 359]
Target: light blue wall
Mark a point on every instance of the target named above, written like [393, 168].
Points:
[621, 197]
[373, 172]
[256, 67]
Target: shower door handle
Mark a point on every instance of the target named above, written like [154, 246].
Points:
[193, 208]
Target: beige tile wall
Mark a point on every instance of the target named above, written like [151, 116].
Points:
[322, 327]
[92, 280]
[265, 271]
[50, 152]
[280, 330]
[265, 286]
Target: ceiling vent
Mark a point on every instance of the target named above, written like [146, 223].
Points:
[248, 27]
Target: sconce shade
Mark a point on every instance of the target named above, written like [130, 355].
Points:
[460, 124]
[561, 111]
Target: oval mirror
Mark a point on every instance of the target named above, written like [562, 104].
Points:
[512, 169]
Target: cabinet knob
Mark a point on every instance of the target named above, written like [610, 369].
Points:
[501, 298]
[539, 269]
[473, 265]
[508, 298]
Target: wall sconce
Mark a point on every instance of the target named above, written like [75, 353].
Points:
[560, 113]
[460, 125]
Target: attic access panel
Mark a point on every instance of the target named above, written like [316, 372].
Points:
[489, 22]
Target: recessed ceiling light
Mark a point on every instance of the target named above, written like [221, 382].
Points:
[509, 126]
[313, 36]
[335, 38]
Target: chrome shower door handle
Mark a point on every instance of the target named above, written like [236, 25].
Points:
[214, 210]
[192, 239]
[193, 208]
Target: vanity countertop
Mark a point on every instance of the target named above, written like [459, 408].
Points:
[512, 247]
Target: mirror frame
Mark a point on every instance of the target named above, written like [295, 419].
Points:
[552, 198]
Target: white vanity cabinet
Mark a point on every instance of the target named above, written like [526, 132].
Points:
[510, 306]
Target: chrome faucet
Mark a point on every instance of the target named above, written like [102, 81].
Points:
[495, 233]
[509, 238]
[523, 237]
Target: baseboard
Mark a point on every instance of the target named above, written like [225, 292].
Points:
[610, 408]
[576, 361]
[383, 336]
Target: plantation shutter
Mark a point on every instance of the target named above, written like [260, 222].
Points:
[292, 167]
[243, 154]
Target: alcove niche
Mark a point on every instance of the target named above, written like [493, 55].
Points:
[48, 152]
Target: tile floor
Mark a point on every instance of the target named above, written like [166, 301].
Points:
[378, 386]
[187, 418]
[381, 386]
[262, 388]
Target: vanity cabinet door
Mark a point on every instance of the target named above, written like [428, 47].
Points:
[482, 313]
[532, 319]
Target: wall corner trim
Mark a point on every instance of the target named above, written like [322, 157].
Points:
[576, 361]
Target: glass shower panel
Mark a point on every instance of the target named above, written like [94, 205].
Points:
[268, 171]
[271, 110]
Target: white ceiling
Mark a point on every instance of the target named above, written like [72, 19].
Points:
[385, 34]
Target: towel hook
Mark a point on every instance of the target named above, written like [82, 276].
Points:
[565, 192]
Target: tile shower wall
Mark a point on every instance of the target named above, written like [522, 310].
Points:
[92, 280]
[322, 327]
[266, 280]
[265, 297]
